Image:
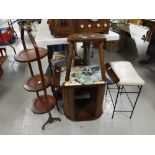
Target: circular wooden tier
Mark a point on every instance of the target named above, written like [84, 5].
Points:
[34, 83]
[29, 55]
[40, 106]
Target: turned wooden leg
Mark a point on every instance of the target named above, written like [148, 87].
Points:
[69, 61]
[101, 57]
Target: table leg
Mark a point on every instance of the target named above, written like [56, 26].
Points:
[101, 57]
[69, 61]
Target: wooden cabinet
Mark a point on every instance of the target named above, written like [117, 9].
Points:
[83, 103]
[66, 27]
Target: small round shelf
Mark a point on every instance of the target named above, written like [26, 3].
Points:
[40, 106]
[29, 55]
[34, 83]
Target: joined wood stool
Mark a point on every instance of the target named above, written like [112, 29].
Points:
[85, 108]
[86, 37]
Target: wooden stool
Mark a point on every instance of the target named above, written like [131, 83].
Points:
[85, 37]
[90, 108]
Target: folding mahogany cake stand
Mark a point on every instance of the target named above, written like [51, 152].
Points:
[44, 103]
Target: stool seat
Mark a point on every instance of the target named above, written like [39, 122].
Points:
[86, 37]
[126, 73]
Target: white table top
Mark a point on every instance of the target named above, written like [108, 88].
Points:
[44, 37]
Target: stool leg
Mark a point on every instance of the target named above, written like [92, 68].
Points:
[101, 57]
[69, 61]
[115, 102]
[136, 101]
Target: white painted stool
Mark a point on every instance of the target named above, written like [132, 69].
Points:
[127, 77]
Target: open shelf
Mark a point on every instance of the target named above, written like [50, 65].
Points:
[83, 103]
[84, 109]
[34, 83]
[40, 106]
[29, 55]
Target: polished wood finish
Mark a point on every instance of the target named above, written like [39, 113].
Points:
[61, 27]
[90, 37]
[101, 57]
[100, 25]
[44, 103]
[69, 61]
[40, 105]
[78, 108]
[86, 37]
[83, 109]
[29, 55]
[66, 27]
[34, 83]
[90, 107]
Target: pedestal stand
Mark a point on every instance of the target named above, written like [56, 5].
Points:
[44, 103]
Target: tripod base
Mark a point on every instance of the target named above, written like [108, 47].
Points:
[50, 120]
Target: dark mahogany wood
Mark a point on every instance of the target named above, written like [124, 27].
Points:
[83, 109]
[34, 83]
[40, 105]
[90, 107]
[86, 37]
[45, 103]
[66, 27]
[30, 55]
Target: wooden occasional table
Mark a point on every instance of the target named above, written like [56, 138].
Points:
[76, 107]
